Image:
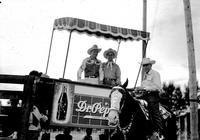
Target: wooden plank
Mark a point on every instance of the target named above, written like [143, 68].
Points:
[183, 127]
[4, 110]
[5, 138]
[8, 94]
[12, 79]
[26, 106]
[192, 71]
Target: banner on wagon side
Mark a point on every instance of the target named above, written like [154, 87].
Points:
[80, 106]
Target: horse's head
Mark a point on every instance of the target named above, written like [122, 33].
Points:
[126, 113]
[117, 94]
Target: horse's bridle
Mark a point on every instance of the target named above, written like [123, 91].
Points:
[116, 88]
[125, 130]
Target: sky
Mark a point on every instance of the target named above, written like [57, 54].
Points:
[26, 27]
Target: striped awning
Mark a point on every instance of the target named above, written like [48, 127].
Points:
[100, 30]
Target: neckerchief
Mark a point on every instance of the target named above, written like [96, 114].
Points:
[109, 64]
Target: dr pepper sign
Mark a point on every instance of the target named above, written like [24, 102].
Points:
[80, 106]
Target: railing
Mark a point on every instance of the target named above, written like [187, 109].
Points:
[24, 95]
[183, 124]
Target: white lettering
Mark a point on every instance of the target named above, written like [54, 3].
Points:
[81, 106]
[94, 108]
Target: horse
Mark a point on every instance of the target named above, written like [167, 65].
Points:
[128, 116]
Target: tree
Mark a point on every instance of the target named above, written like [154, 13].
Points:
[173, 97]
[166, 97]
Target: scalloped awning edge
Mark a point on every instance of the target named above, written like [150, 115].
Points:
[100, 30]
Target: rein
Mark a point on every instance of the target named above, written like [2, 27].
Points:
[125, 130]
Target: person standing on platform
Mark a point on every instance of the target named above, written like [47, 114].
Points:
[110, 73]
[90, 66]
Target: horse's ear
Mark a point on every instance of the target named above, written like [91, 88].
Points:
[125, 84]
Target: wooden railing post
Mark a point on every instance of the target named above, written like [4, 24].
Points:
[182, 128]
[186, 127]
[26, 106]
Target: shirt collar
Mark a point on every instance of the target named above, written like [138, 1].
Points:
[149, 72]
[109, 62]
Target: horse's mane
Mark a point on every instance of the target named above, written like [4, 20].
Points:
[129, 105]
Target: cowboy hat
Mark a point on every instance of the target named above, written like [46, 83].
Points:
[94, 47]
[147, 61]
[110, 50]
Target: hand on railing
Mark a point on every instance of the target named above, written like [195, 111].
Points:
[13, 135]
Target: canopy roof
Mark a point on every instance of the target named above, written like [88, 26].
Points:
[93, 28]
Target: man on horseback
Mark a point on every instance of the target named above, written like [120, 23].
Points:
[151, 82]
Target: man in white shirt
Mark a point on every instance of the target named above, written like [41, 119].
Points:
[152, 83]
[151, 79]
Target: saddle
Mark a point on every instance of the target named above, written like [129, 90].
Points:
[143, 105]
[165, 114]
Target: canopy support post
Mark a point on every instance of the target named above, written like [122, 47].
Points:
[70, 34]
[119, 42]
[144, 44]
[49, 51]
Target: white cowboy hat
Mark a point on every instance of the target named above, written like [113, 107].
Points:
[94, 47]
[147, 61]
[110, 50]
